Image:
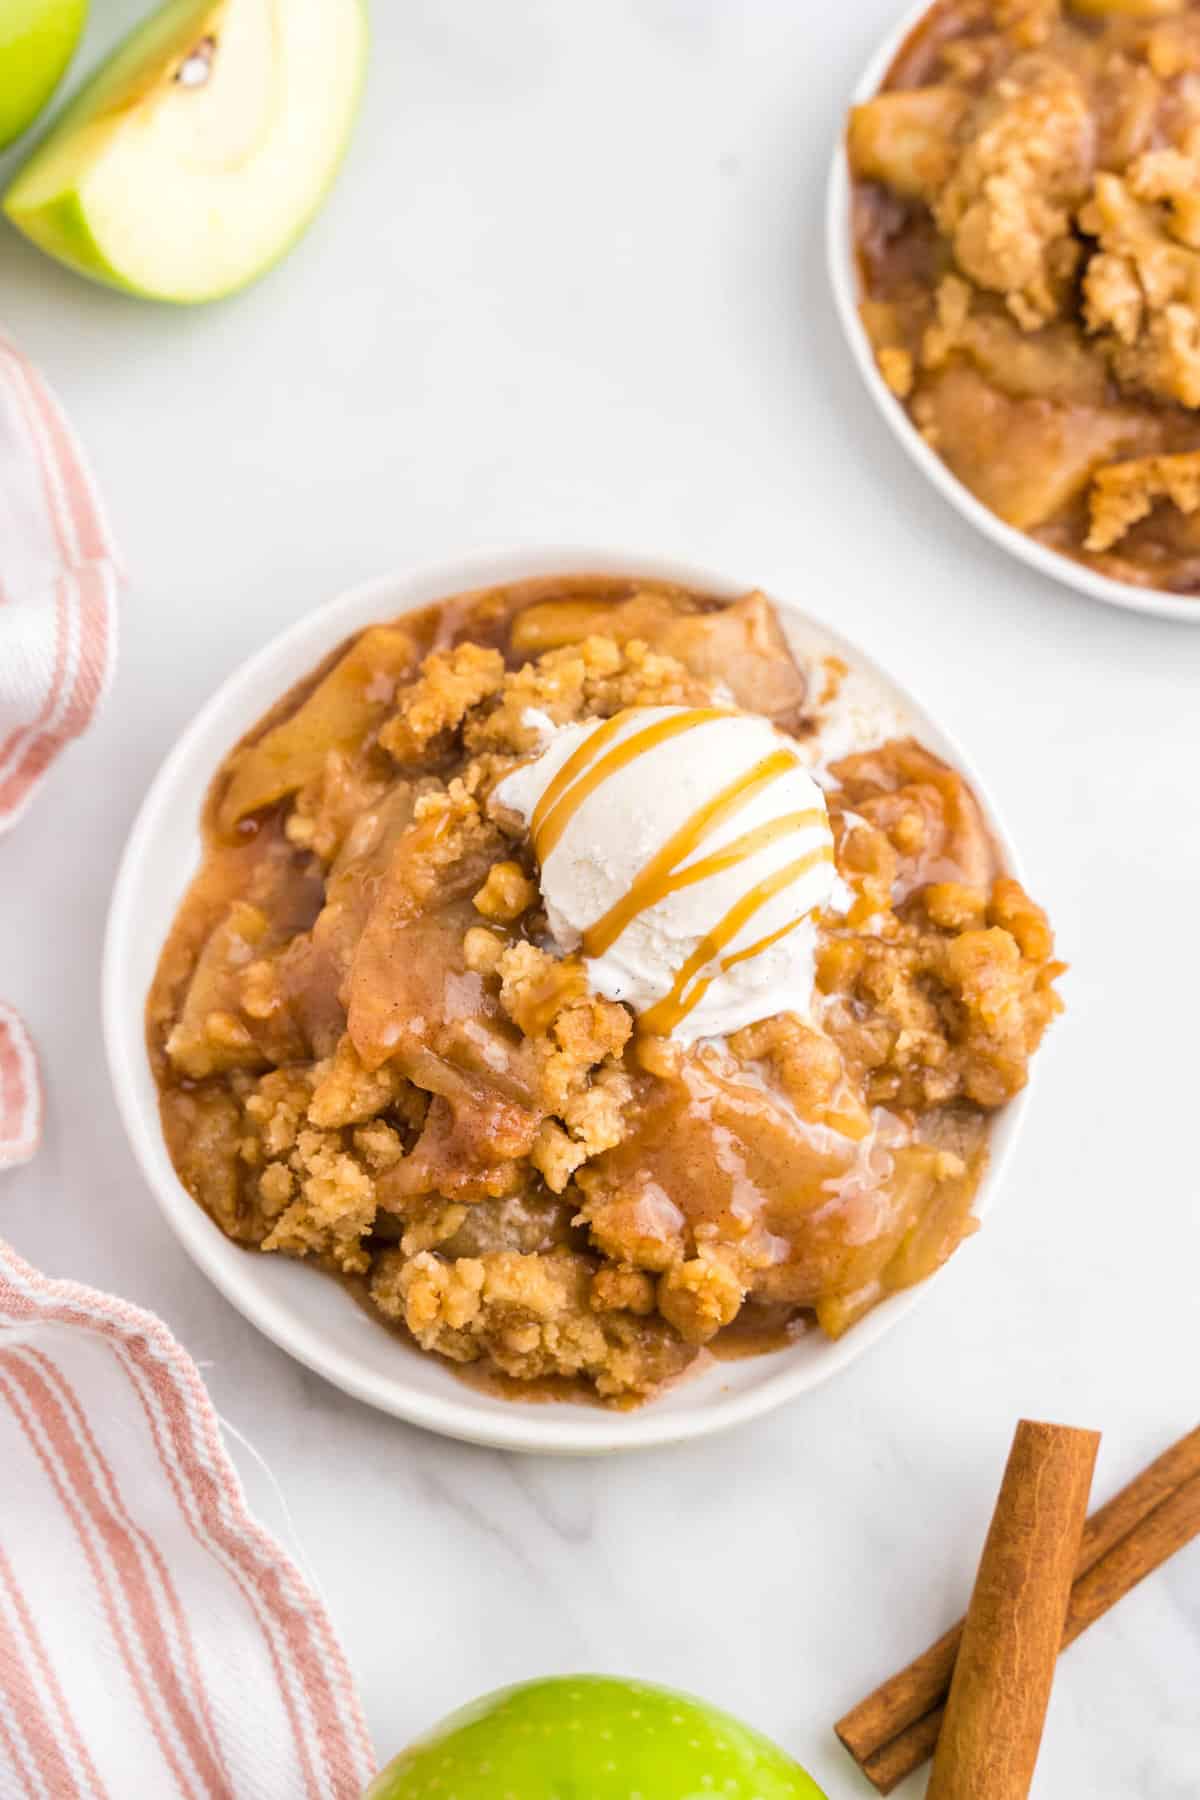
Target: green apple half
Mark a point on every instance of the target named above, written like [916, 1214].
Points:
[37, 41]
[587, 1737]
[200, 152]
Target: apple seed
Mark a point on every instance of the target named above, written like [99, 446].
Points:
[196, 66]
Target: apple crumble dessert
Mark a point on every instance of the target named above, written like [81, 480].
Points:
[593, 982]
[1027, 223]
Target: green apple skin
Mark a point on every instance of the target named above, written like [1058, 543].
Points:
[37, 41]
[53, 199]
[590, 1737]
[63, 233]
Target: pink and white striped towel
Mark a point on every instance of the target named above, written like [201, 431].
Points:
[58, 622]
[58, 585]
[20, 1091]
[155, 1641]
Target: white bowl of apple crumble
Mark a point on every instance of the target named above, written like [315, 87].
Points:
[1014, 245]
[593, 987]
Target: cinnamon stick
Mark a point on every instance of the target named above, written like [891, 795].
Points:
[1000, 1689]
[895, 1729]
[1172, 1524]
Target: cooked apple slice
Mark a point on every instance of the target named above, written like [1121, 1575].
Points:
[355, 694]
[742, 645]
[200, 152]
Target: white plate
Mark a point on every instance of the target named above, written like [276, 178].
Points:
[843, 272]
[303, 1311]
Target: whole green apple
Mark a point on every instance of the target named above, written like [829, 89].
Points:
[200, 151]
[588, 1737]
[37, 41]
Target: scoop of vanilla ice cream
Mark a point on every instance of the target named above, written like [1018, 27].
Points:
[684, 852]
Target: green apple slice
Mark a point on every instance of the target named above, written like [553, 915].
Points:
[586, 1737]
[37, 41]
[200, 152]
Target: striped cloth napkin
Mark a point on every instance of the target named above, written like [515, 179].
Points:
[155, 1641]
[58, 626]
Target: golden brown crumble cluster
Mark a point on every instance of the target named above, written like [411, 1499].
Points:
[370, 1057]
[948, 995]
[1028, 226]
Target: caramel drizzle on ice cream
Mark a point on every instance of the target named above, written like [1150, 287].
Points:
[692, 983]
[592, 763]
[662, 875]
[581, 774]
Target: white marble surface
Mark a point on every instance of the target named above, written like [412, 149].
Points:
[571, 286]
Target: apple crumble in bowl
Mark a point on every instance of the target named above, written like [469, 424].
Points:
[605, 978]
[1015, 245]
